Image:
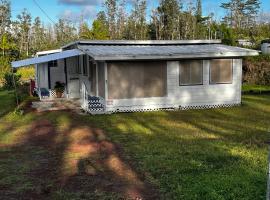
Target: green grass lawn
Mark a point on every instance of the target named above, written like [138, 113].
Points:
[7, 101]
[247, 88]
[194, 154]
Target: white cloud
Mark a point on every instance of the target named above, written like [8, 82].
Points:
[81, 2]
[88, 13]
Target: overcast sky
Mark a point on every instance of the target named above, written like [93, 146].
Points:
[89, 8]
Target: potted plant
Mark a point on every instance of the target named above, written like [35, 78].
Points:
[59, 89]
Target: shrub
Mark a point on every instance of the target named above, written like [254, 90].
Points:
[4, 67]
[26, 73]
[256, 70]
[9, 80]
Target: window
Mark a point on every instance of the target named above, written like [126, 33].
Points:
[52, 63]
[191, 72]
[85, 69]
[221, 71]
[140, 79]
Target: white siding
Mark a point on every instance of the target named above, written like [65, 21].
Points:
[187, 96]
[206, 94]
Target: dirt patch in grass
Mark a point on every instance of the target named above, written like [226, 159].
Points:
[74, 162]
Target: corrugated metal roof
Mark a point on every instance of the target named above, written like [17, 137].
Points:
[141, 42]
[144, 52]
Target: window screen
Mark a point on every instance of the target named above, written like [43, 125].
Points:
[85, 70]
[78, 67]
[137, 79]
[221, 71]
[92, 68]
[191, 72]
[92, 76]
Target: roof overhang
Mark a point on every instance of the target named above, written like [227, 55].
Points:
[47, 58]
[173, 57]
[140, 42]
[118, 53]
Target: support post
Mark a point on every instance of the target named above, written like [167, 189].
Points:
[96, 66]
[65, 69]
[106, 85]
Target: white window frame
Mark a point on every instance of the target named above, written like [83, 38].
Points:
[210, 75]
[191, 84]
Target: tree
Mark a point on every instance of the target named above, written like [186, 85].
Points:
[228, 36]
[166, 18]
[100, 28]
[198, 13]
[187, 25]
[251, 11]
[241, 13]
[5, 15]
[111, 12]
[4, 67]
[24, 25]
[99, 31]
[201, 27]
[64, 32]
[38, 36]
[6, 44]
[120, 19]
[136, 28]
[84, 31]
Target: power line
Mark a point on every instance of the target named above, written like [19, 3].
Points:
[44, 12]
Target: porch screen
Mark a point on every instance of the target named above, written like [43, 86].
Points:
[137, 79]
[85, 69]
[92, 76]
[191, 72]
[221, 71]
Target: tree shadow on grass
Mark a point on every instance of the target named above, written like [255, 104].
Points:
[75, 161]
[201, 150]
[104, 170]
[65, 157]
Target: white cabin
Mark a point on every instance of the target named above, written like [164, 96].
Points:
[127, 76]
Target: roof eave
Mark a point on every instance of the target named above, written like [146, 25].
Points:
[140, 42]
[172, 57]
[41, 53]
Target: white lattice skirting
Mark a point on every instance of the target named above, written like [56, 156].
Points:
[209, 106]
[130, 109]
[53, 94]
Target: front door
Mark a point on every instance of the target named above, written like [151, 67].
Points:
[74, 88]
[73, 78]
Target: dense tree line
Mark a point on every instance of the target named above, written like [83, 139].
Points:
[172, 19]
